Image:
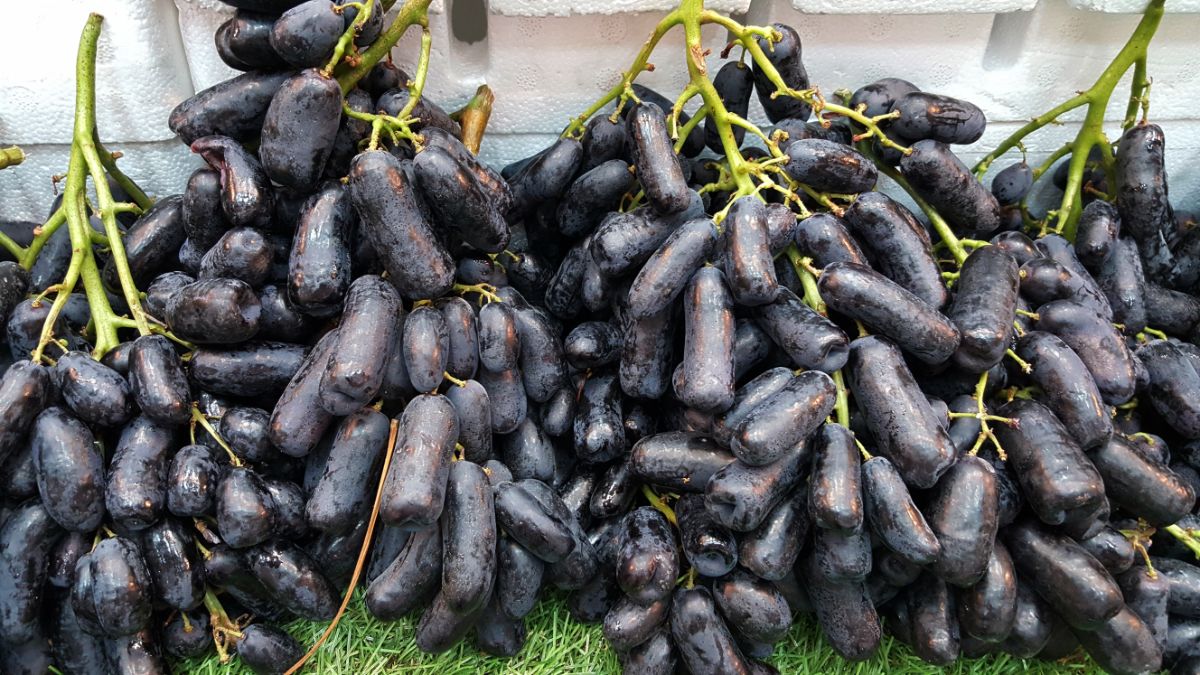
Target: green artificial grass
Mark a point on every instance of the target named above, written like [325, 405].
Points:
[557, 645]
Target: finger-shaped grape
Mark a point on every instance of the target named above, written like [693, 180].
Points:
[414, 491]
[1070, 580]
[386, 201]
[244, 509]
[174, 565]
[246, 195]
[1142, 195]
[942, 118]
[300, 126]
[786, 55]
[984, 304]
[233, 108]
[410, 579]
[1140, 486]
[739, 496]
[935, 629]
[678, 460]
[939, 176]
[305, 34]
[366, 337]
[26, 538]
[299, 419]
[292, 580]
[898, 246]
[1096, 233]
[460, 204]
[658, 167]
[215, 311]
[810, 340]
[1097, 343]
[268, 649]
[1174, 386]
[1068, 388]
[122, 589]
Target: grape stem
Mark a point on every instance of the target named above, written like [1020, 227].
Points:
[11, 156]
[1091, 133]
[1189, 538]
[89, 159]
[658, 503]
[414, 12]
[225, 630]
[474, 117]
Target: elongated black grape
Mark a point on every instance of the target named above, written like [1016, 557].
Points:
[935, 630]
[526, 520]
[899, 247]
[545, 177]
[473, 407]
[983, 307]
[122, 588]
[747, 398]
[319, 266]
[678, 460]
[963, 516]
[518, 578]
[528, 452]
[809, 339]
[1141, 486]
[1071, 581]
[340, 496]
[884, 306]
[299, 419]
[244, 42]
[946, 183]
[784, 419]
[249, 369]
[1146, 595]
[897, 412]
[748, 265]
[265, 648]
[1096, 233]
[1068, 388]
[26, 539]
[599, 430]
[469, 557]
[770, 550]
[174, 565]
[825, 238]
[459, 202]
[136, 492]
[1057, 480]
[151, 242]
[1171, 311]
[354, 372]
[740, 496]
[95, 393]
[1123, 644]
[203, 216]
[880, 95]
[708, 546]
[592, 195]
[409, 579]
[300, 125]
[942, 118]
[664, 275]
[542, 364]
[658, 168]
[291, 579]
[753, 608]
[624, 240]
[845, 613]
[384, 196]
[1142, 195]
[233, 108]
[69, 469]
[1097, 343]
[305, 34]
[646, 557]
[462, 333]
[646, 354]
[593, 344]
[426, 347]
[834, 494]
[24, 391]
[246, 195]
[192, 481]
[705, 378]
[214, 311]
[245, 510]
[603, 140]
[987, 610]
[787, 57]
[415, 487]
[506, 394]
[827, 166]
[1044, 280]
[1174, 386]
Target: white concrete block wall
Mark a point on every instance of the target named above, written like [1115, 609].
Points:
[546, 60]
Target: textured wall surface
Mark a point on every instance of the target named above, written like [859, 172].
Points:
[546, 60]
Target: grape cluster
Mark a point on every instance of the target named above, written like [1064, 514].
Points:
[609, 369]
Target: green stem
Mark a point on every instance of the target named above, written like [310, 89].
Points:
[346, 41]
[11, 156]
[659, 504]
[43, 235]
[109, 161]
[1014, 140]
[16, 250]
[808, 281]
[1185, 537]
[576, 126]
[841, 405]
[413, 12]
[418, 83]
